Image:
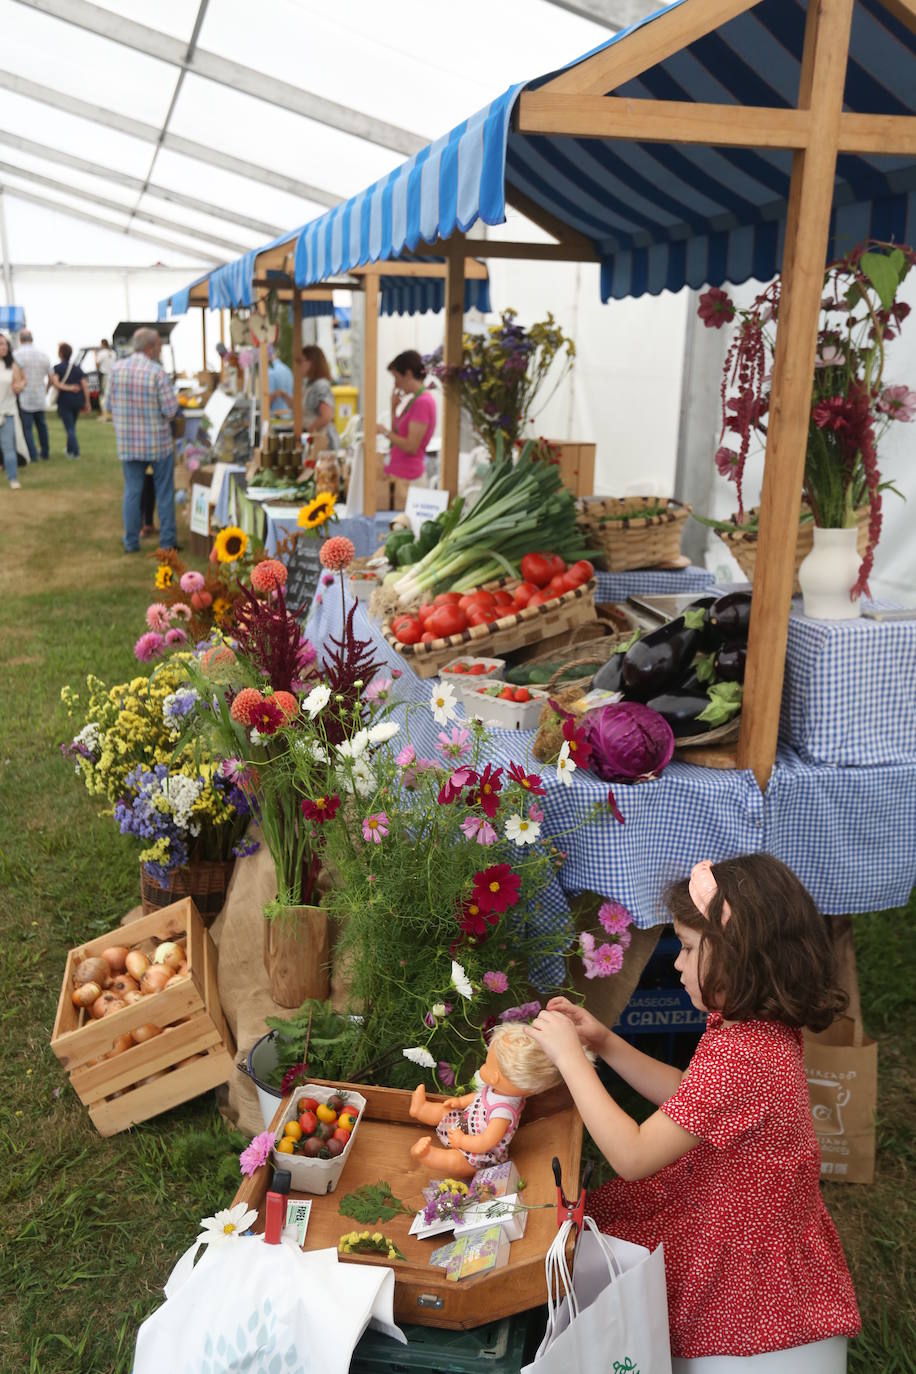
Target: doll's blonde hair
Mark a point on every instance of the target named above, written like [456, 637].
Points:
[521, 1058]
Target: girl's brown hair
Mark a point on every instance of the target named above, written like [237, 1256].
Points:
[773, 959]
[320, 369]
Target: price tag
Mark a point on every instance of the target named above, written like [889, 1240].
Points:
[200, 509]
[424, 503]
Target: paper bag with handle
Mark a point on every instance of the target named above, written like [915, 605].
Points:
[841, 1064]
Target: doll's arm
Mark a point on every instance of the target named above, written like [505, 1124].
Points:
[458, 1103]
[488, 1139]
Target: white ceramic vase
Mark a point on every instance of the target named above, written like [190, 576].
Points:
[828, 574]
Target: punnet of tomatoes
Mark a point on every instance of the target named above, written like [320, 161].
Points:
[319, 1130]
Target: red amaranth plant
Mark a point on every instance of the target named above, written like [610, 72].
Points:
[270, 637]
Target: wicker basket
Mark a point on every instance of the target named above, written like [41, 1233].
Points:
[206, 882]
[742, 544]
[640, 541]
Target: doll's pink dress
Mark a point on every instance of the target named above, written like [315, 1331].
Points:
[473, 1120]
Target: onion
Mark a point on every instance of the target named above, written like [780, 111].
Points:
[105, 1004]
[92, 971]
[122, 1043]
[155, 979]
[190, 1059]
[136, 963]
[144, 1033]
[115, 957]
[123, 983]
[131, 997]
[170, 954]
[85, 995]
[630, 742]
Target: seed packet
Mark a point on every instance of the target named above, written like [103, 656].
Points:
[499, 1178]
[297, 1219]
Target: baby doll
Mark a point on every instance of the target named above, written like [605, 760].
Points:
[474, 1131]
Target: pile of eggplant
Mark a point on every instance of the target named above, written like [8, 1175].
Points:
[691, 669]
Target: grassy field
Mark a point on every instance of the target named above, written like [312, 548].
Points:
[91, 1226]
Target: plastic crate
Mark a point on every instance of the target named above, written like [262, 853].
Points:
[498, 1347]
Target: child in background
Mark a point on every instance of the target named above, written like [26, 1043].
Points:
[726, 1173]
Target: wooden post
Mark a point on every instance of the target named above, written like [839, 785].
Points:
[297, 365]
[804, 259]
[370, 392]
[203, 334]
[452, 355]
[265, 391]
[222, 326]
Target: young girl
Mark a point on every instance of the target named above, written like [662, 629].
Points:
[726, 1172]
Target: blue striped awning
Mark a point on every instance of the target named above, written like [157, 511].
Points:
[660, 216]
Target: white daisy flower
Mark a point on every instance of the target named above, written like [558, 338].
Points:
[418, 1054]
[316, 700]
[460, 981]
[227, 1225]
[384, 731]
[522, 830]
[442, 703]
[565, 766]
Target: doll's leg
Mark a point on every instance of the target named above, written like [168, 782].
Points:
[453, 1163]
[430, 1113]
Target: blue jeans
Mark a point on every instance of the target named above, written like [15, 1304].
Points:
[8, 446]
[68, 420]
[41, 425]
[163, 477]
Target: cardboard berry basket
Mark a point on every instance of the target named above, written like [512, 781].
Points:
[527, 626]
[504, 715]
[317, 1175]
[422, 1293]
[194, 1052]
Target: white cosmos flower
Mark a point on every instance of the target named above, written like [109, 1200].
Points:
[418, 1054]
[352, 748]
[357, 777]
[442, 703]
[381, 733]
[227, 1225]
[522, 830]
[460, 981]
[565, 766]
[317, 700]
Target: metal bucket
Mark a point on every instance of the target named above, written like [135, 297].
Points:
[261, 1061]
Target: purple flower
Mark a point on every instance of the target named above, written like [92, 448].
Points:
[445, 1074]
[244, 848]
[495, 981]
[727, 463]
[257, 1153]
[526, 1012]
[175, 636]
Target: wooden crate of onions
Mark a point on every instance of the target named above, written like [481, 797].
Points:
[139, 1026]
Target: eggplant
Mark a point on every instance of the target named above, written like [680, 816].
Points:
[680, 710]
[730, 661]
[731, 615]
[609, 677]
[658, 660]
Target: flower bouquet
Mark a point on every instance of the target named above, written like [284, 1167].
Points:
[191, 605]
[851, 406]
[501, 372]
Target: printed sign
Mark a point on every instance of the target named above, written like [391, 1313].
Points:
[424, 503]
[200, 509]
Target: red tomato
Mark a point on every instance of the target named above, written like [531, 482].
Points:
[477, 669]
[523, 593]
[536, 568]
[483, 598]
[521, 694]
[583, 570]
[505, 599]
[447, 620]
[478, 616]
[425, 611]
[447, 599]
[408, 631]
[427, 637]
[557, 565]
[308, 1121]
[557, 586]
[307, 1104]
[507, 694]
[400, 620]
[341, 1135]
[537, 600]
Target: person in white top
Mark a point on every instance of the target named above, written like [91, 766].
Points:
[104, 357]
[12, 382]
[36, 367]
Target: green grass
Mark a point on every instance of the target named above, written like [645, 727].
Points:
[92, 1226]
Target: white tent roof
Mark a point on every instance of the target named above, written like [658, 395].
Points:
[155, 97]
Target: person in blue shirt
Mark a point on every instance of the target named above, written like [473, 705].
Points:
[280, 382]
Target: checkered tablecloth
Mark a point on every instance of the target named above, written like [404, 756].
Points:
[652, 582]
[849, 833]
[270, 523]
[849, 696]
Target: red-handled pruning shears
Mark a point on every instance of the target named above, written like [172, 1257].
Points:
[566, 1210]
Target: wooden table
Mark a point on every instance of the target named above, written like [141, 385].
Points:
[423, 1296]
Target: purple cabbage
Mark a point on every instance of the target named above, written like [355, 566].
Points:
[630, 742]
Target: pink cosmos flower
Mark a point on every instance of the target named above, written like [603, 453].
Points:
[455, 745]
[476, 827]
[375, 827]
[407, 755]
[257, 1153]
[496, 981]
[608, 959]
[535, 813]
[716, 308]
[378, 690]
[616, 920]
[157, 617]
[149, 646]
[726, 463]
[899, 403]
[445, 1074]
[191, 582]
[829, 355]
[587, 942]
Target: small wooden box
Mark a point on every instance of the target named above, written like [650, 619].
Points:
[144, 1080]
[422, 1293]
[577, 466]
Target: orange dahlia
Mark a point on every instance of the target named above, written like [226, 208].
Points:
[337, 553]
[268, 575]
[247, 702]
[287, 704]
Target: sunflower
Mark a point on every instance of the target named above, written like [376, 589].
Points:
[231, 544]
[316, 512]
[164, 576]
[221, 607]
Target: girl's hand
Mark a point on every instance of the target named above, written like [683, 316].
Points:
[557, 1037]
[592, 1034]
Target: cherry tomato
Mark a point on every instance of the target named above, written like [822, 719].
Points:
[325, 1113]
[448, 620]
[523, 593]
[583, 570]
[408, 631]
[285, 1145]
[507, 694]
[521, 694]
[307, 1104]
[557, 565]
[308, 1121]
[447, 599]
[478, 616]
[477, 669]
[342, 1135]
[346, 1121]
[536, 568]
[425, 611]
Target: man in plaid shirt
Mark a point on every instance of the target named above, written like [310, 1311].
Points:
[142, 401]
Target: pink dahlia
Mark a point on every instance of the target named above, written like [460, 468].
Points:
[175, 636]
[268, 576]
[157, 617]
[149, 646]
[616, 920]
[337, 553]
[191, 582]
[256, 1155]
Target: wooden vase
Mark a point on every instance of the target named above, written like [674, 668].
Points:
[296, 955]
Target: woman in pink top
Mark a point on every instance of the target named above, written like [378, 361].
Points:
[412, 429]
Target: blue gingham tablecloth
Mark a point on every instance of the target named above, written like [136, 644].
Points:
[849, 696]
[270, 523]
[652, 582]
[849, 833]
